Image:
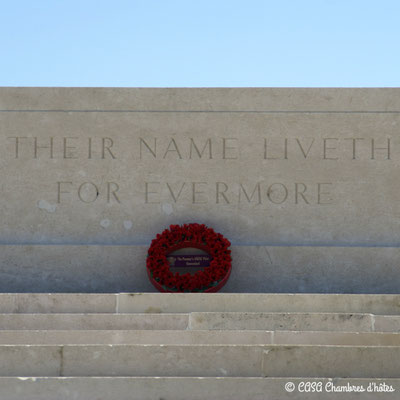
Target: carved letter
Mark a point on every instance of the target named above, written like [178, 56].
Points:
[59, 191]
[257, 190]
[222, 193]
[195, 192]
[112, 191]
[354, 145]
[66, 148]
[90, 148]
[225, 148]
[89, 186]
[172, 192]
[152, 151]
[147, 192]
[17, 138]
[271, 191]
[329, 148]
[297, 193]
[200, 154]
[373, 148]
[305, 153]
[173, 148]
[36, 147]
[108, 148]
[320, 194]
[285, 151]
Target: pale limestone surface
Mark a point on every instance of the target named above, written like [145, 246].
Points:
[385, 323]
[57, 303]
[258, 302]
[337, 338]
[93, 321]
[201, 360]
[84, 336]
[288, 175]
[378, 304]
[283, 321]
[114, 336]
[84, 359]
[144, 388]
[30, 360]
[203, 321]
[332, 361]
[290, 269]
[119, 165]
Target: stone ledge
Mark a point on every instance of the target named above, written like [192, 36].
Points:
[253, 337]
[200, 99]
[93, 321]
[385, 304]
[259, 302]
[143, 388]
[201, 360]
[112, 269]
[283, 321]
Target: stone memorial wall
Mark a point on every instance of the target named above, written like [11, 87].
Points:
[304, 182]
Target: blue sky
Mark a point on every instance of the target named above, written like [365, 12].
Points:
[200, 43]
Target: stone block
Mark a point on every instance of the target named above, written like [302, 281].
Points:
[162, 360]
[144, 388]
[281, 321]
[337, 338]
[30, 360]
[258, 302]
[201, 361]
[115, 166]
[92, 321]
[296, 178]
[254, 337]
[274, 269]
[332, 361]
[385, 323]
[73, 268]
[57, 303]
[64, 337]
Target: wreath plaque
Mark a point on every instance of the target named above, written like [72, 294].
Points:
[216, 264]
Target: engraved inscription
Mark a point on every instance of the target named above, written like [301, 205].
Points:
[197, 149]
[68, 147]
[329, 148]
[200, 193]
[226, 148]
[143, 150]
[319, 193]
[88, 192]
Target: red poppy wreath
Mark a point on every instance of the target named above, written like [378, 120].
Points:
[210, 279]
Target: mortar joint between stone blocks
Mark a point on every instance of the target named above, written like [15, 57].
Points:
[117, 303]
[61, 373]
[272, 337]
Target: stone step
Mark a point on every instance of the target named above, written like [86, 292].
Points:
[336, 338]
[188, 302]
[57, 303]
[295, 321]
[186, 388]
[63, 337]
[66, 337]
[93, 321]
[204, 321]
[201, 360]
[282, 321]
[259, 302]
